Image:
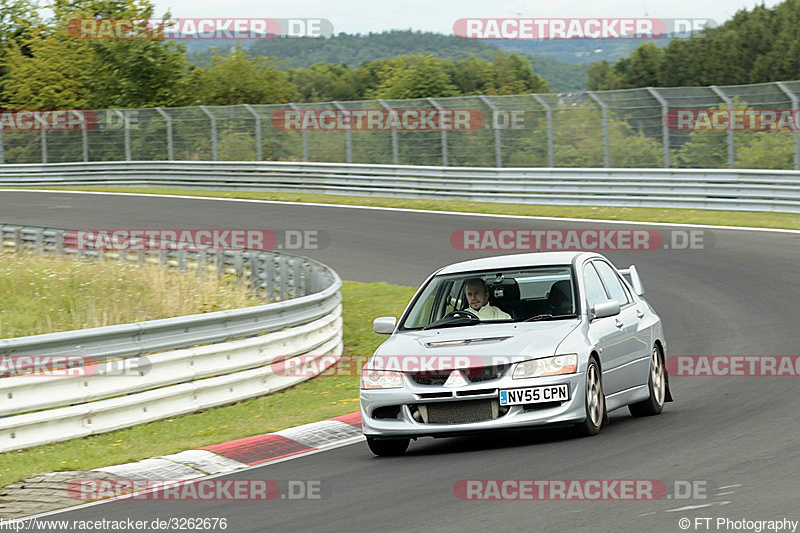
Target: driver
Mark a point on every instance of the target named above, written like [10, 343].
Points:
[478, 298]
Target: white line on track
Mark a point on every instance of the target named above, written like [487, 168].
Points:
[409, 210]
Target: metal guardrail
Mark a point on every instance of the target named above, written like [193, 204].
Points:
[312, 287]
[104, 395]
[746, 190]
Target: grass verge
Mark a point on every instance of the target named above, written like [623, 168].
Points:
[677, 216]
[317, 399]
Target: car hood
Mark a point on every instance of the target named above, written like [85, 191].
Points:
[481, 345]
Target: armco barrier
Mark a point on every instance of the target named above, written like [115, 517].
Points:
[43, 409]
[746, 190]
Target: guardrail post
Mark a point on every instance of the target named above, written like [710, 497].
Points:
[606, 143]
[664, 128]
[348, 136]
[258, 130]
[729, 103]
[283, 282]
[168, 119]
[44, 145]
[551, 160]
[498, 153]
[59, 245]
[395, 154]
[39, 240]
[214, 155]
[435, 104]
[782, 86]
[304, 134]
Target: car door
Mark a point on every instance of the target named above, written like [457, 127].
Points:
[606, 333]
[635, 346]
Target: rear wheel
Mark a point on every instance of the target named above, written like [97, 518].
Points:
[388, 447]
[595, 402]
[657, 384]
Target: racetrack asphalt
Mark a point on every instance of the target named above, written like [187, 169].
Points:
[736, 434]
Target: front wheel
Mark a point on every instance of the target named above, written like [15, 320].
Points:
[595, 402]
[387, 447]
[657, 384]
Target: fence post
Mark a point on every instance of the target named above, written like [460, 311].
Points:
[2, 150]
[348, 135]
[127, 125]
[498, 153]
[214, 155]
[664, 128]
[395, 155]
[258, 130]
[84, 136]
[606, 143]
[445, 162]
[44, 146]
[305, 136]
[782, 86]
[729, 103]
[168, 120]
[551, 160]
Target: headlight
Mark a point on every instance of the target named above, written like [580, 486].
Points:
[549, 366]
[380, 379]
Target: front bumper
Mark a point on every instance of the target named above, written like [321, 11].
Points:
[378, 406]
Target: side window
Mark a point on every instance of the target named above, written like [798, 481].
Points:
[612, 282]
[595, 293]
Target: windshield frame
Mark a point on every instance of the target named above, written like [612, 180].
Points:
[577, 303]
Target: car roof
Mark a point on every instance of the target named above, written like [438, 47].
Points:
[516, 260]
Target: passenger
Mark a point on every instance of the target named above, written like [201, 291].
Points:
[478, 297]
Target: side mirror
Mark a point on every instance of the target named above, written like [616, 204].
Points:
[385, 325]
[604, 309]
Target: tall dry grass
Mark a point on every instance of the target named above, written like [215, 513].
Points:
[44, 294]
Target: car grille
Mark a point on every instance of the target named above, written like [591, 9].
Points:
[461, 412]
[474, 375]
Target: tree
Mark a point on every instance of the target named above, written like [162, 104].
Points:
[414, 77]
[236, 78]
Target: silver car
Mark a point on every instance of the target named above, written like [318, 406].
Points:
[564, 340]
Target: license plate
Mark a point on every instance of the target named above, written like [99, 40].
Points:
[545, 393]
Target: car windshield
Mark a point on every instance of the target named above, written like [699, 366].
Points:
[468, 298]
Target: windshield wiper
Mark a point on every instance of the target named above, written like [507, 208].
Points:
[456, 321]
[547, 316]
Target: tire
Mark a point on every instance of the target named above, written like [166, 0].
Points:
[657, 385]
[387, 447]
[594, 402]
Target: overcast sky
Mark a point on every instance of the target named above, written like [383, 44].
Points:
[364, 16]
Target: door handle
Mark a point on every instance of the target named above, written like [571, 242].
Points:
[618, 322]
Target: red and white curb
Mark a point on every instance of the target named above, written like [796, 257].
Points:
[247, 452]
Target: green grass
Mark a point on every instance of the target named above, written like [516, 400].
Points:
[317, 399]
[48, 293]
[680, 216]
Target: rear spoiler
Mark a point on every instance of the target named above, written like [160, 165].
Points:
[631, 272]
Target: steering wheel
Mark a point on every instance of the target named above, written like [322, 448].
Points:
[461, 312]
